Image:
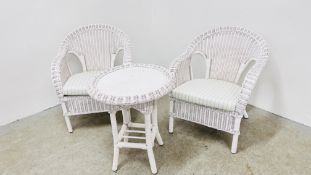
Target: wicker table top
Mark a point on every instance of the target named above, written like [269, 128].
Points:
[131, 84]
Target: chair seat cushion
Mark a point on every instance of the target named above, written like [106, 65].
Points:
[78, 84]
[209, 92]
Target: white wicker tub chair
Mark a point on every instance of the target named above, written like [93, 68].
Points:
[218, 101]
[96, 47]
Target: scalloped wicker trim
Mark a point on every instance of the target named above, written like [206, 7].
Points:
[97, 94]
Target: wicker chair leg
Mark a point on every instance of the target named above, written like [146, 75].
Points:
[68, 123]
[245, 114]
[171, 125]
[235, 138]
[171, 119]
[66, 116]
[234, 146]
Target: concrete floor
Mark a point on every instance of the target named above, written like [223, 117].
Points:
[40, 144]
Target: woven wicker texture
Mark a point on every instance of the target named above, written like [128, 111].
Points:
[96, 47]
[132, 84]
[228, 52]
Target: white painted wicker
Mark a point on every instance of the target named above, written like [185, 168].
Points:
[132, 84]
[135, 86]
[228, 51]
[96, 47]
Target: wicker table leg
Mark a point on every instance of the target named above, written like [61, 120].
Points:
[155, 126]
[149, 143]
[126, 120]
[115, 140]
[151, 133]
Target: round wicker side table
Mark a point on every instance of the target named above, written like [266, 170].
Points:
[135, 86]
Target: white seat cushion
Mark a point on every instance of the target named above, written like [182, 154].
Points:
[79, 83]
[208, 92]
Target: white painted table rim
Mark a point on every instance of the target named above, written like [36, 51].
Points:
[133, 86]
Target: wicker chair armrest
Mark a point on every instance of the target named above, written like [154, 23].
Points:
[127, 58]
[248, 85]
[180, 68]
[60, 72]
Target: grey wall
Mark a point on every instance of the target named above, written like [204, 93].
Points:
[284, 85]
[31, 32]
[160, 30]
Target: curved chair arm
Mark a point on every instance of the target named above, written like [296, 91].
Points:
[127, 57]
[181, 70]
[60, 72]
[249, 84]
[125, 46]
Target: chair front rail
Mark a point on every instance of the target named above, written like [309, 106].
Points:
[78, 105]
[211, 117]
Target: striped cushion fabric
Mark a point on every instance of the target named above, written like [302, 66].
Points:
[78, 84]
[209, 92]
